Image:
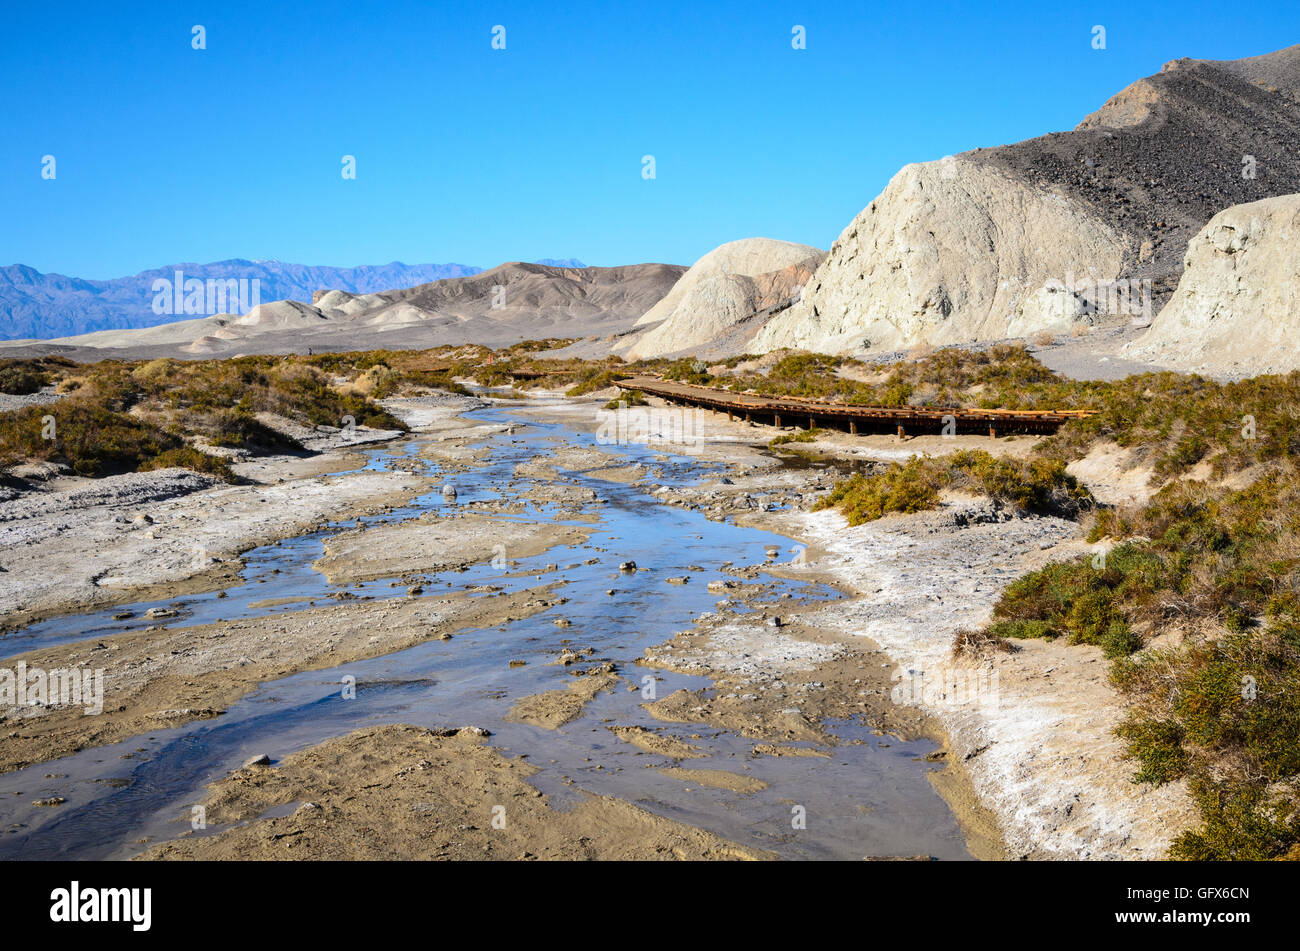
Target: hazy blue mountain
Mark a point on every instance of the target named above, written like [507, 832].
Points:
[560, 262]
[39, 305]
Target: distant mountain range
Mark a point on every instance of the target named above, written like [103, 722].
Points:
[41, 306]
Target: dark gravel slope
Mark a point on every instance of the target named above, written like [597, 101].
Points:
[1166, 154]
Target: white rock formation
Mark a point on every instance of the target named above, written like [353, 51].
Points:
[952, 251]
[1237, 307]
[720, 290]
[280, 314]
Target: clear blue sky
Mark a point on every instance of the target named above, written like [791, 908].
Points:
[471, 155]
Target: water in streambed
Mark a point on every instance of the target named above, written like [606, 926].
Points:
[867, 797]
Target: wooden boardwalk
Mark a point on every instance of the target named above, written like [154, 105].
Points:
[903, 421]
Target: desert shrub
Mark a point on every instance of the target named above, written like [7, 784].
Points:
[238, 429]
[187, 457]
[687, 370]
[22, 377]
[1084, 600]
[121, 416]
[1034, 485]
[1157, 745]
[397, 382]
[1241, 821]
[95, 441]
[628, 398]
[595, 378]
[901, 488]
[803, 435]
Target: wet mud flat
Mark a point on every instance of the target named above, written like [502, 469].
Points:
[533, 657]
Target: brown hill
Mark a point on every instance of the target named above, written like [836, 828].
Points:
[509, 303]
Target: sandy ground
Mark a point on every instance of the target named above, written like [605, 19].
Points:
[554, 708]
[435, 544]
[440, 795]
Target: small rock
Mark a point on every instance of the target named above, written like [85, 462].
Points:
[261, 759]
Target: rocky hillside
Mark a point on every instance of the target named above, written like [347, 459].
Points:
[983, 245]
[727, 287]
[1237, 307]
[41, 306]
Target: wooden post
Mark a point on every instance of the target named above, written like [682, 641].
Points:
[812, 423]
[853, 427]
[777, 424]
[993, 431]
[747, 419]
[900, 431]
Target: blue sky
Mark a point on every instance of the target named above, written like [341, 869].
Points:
[477, 156]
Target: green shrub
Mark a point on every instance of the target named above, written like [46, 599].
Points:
[21, 378]
[1034, 485]
[803, 435]
[1157, 746]
[632, 398]
[595, 378]
[1241, 821]
[1021, 630]
[94, 441]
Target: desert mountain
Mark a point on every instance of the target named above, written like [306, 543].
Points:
[512, 302]
[724, 289]
[36, 305]
[1013, 240]
[1237, 307]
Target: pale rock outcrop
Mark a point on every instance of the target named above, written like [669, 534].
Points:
[342, 304]
[728, 285]
[952, 251]
[1237, 308]
[279, 315]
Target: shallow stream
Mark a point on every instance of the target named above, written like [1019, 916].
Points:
[871, 796]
